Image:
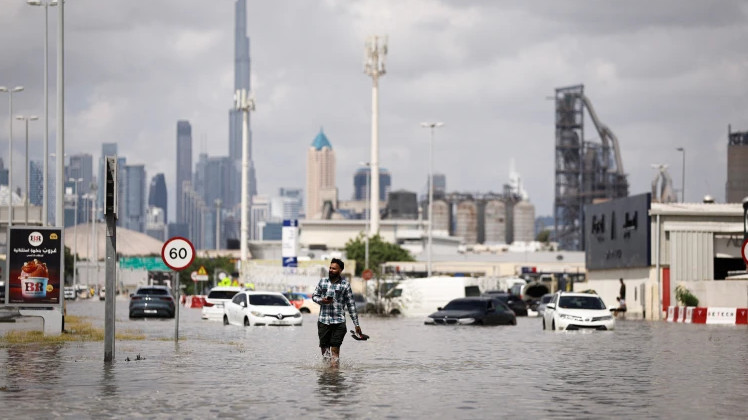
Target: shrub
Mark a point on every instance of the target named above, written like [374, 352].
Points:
[685, 296]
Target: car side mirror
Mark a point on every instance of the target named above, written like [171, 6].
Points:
[244, 304]
[132, 294]
[439, 308]
[551, 306]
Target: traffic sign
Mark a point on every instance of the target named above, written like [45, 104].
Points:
[178, 253]
[367, 274]
[744, 252]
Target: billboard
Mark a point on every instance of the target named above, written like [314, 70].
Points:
[617, 233]
[34, 266]
[290, 242]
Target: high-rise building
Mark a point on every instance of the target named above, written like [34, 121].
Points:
[134, 215]
[107, 149]
[361, 180]
[3, 173]
[296, 194]
[440, 185]
[156, 223]
[80, 169]
[320, 177]
[241, 82]
[157, 196]
[737, 166]
[212, 180]
[259, 213]
[184, 165]
[36, 183]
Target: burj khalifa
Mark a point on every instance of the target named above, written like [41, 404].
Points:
[241, 81]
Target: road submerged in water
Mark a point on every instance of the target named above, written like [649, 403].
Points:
[406, 370]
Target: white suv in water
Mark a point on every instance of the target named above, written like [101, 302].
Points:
[575, 311]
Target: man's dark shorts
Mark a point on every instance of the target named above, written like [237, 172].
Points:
[331, 335]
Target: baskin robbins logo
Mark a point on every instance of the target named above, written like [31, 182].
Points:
[35, 239]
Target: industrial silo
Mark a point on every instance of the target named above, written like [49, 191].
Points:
[524, 221]
[495, 222]
[442, 215]
[466, 226]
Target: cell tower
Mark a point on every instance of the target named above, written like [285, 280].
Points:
[375, 54]
[585, 171]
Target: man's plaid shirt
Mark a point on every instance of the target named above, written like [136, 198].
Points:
[334, 313]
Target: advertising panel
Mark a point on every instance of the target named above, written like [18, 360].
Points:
[290, 242]
[34, 266]
[617, 233]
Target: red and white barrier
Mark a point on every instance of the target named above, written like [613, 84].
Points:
[194, 301]
[710, 315]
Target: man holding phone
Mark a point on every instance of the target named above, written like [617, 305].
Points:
[334, 295]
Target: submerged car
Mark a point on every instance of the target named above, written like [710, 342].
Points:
[574, 311]
[473, 311]
[514, 302]
[544, 300]
[251, 308]
[152, 301]
[215, 301]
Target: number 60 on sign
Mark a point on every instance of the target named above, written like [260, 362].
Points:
[178, 253]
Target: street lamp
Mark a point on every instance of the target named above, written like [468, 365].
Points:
[367, 198]
[27, 119]
[45, 193]
[75, 230]
[10, 149]
[432, 126]
[683, 176]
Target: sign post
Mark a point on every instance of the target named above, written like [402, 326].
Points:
[177, 253]
[110, 213]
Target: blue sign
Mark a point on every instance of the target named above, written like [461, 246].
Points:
[290, 262]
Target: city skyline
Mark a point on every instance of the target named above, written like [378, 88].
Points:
[483, 68]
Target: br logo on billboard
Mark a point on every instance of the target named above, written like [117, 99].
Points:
[35, 238]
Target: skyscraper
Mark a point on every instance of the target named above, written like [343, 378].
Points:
[737, 166]
[212, 180]
[360, 180]
[157, 196]
[36, 183]
[135, 207]
[241, 82]
[184, 164]
[320, 177]
[3, 173]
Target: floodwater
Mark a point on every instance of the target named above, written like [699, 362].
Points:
[406, 370]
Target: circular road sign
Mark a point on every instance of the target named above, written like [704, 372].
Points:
[178, 253]
[367, 274]
[744, 251]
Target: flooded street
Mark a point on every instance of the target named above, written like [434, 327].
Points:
[407, 370]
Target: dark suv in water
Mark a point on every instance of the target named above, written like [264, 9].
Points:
[512, 301]
[152, 301]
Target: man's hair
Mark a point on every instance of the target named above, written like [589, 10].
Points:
[339, 262]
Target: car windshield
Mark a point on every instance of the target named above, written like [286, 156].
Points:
[546, 298]
[581, 302]
[359, 297]
[465, 305]
[221, 294]
[152, 292]
[293, 296]
[267, 300]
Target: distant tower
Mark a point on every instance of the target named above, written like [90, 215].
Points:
[737, 166]
[320, 177]
[376, 53]
[184, 164]
[360, 178]
[135, 208]
[157, 196]
[241, 82]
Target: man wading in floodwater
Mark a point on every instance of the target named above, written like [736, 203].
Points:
[333, 294]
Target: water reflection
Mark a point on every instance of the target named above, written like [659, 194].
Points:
[108, 384]
[330, 385]
[33, 364]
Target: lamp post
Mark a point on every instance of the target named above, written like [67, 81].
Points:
[683, 176]
[75, 230]
[45, 176]
[60, 135]
[245, 103]
[432, 126]
[10, 149]
[26, 193]
[376, 52]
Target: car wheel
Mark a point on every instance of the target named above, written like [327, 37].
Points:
[394, 312]
[225, 320]
[246, 322]
[514, 321]
[553, 325]
[543, 323]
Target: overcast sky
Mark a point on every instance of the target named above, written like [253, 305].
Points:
[661, 75]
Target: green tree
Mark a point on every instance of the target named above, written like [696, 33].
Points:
[380, 252]
[68, 264]
[543, 236]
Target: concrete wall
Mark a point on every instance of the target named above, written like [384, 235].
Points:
[726, 294]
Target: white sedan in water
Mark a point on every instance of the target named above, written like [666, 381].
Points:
[575, 311]
[216, 299]
[251, 308]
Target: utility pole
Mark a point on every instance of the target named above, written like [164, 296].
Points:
[376, 53]
[245, 103]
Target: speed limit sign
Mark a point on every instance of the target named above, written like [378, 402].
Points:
[178, 253]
